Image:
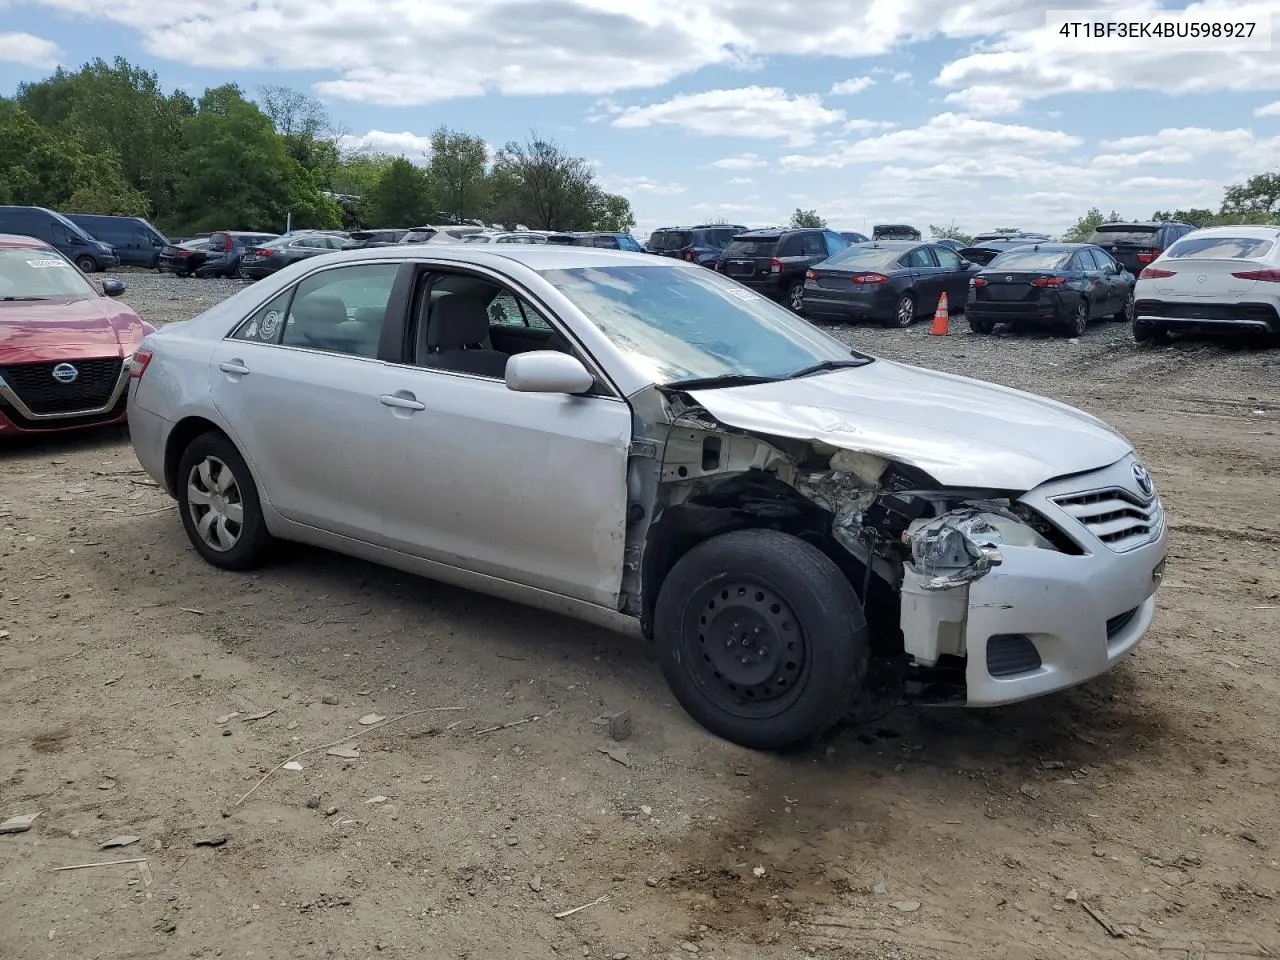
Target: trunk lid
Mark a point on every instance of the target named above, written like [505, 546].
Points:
[1212, 278]
[1009, 287]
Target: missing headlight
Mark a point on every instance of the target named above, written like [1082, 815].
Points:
[963, 545]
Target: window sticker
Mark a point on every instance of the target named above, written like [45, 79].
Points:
[270, 324]
[251, 331]
[48, 263]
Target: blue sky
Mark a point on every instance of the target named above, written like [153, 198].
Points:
[917, 111]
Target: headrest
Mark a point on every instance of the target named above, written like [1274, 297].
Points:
[457, 321]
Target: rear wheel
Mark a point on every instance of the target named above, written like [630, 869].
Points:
[1078, 322]
[86, 263]
[761, 638]
[219, 504]
[1146, 332]
[795, 297]
[904, 314]
[982, 326]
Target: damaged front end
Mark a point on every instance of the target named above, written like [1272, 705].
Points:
[910, 547]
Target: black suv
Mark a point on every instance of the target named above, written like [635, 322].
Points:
[774, 262]
[605, 239]
[702, 244]
[1135, 245]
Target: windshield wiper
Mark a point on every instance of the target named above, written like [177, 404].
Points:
[829, 365]
[724, 380]
[9, 299]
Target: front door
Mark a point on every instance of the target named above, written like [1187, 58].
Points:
[525, 487]
[301, 382]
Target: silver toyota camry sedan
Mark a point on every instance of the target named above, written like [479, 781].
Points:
[648, 445]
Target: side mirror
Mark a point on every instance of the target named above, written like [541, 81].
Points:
[112, 287]
[547, 371]
[965, 264]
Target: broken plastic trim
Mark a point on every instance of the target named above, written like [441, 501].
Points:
[962, 545]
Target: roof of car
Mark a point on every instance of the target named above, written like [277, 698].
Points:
[1056, 246]
[766, 232]
[1125, 224]
[535, 256]
[892, 244]
[1260, 231]
[13, 241]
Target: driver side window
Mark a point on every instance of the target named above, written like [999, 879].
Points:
[510, 310]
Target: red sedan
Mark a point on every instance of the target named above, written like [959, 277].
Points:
[64, 343]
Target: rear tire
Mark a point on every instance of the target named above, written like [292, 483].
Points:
[1126, 312]
[1149, 333]
[87, 264]
[1078, 322]
[904, 314]
[982, 326]
[219, 504]
[761, 638]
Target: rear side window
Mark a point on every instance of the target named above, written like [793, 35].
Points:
[751, 247]
[1220, 248]
[814, 246]
[1129, 236]
[792, 246]
[218, 241]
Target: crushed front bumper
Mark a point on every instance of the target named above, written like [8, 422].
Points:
[1044, 620]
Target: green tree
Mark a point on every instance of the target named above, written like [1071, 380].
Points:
[1083, 228]
[1196, 216]
[1257, 200]
[239, 174]
[457, 172]
[308, 132]
[540, 185]
[401, 197]
[613, 212]
[952, 232]
[807, 218]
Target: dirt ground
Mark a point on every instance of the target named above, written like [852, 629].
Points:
[1149, 795]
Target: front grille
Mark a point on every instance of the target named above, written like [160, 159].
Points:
[64, 423]
[1115, 516]
[1009, 654]
[1118, 623]
[36, 387]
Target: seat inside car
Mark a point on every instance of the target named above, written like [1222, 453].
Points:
[457, 337]
[320, 321]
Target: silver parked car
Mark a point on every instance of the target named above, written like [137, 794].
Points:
[643, 443]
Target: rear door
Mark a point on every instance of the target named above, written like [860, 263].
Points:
[955, 278]
[928, 277]
[1096, 281]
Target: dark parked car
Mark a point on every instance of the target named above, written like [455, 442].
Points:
[226, 247]
[1012, 235]
[449, 233]
[137, 243]
[604, 239]
[894, 231]
[183, 258]
[985, 251]
[60, 233]
[1064, 285]
[701, 244]
[891, 282]
[1136, 245]
[854, 237]
[264, 259]
[947, 242]
[359, 239]
[774, 262]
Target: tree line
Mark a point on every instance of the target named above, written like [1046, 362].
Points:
[107, 139]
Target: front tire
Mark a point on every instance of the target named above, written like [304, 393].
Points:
[761, 638]
[87, 264]
[219, 504]
[904, 314]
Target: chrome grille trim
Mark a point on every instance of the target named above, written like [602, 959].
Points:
[1117, 517]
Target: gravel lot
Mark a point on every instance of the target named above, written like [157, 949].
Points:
[1149, 795]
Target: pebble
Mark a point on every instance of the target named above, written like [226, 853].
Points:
[620, 956]
[330, 811]
[535, 882]
[907, 906]
[313, 802]
[329, 699]
[1073, 896]
[651, 882]
[688, 947]
[226, 732]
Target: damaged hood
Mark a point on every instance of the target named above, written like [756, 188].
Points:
[962, 432]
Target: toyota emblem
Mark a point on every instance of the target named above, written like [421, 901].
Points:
[65, 373]
[1143, 480]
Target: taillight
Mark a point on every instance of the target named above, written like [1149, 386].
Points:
[138, 363]
[810, 275]
[688, 256]
[1148, 257]
[775, 265]
[230, 245]
[265, 253]
[1271, 275]
[869, 278]
[1156, 273]
[978, 282]
[1047, 282]
[184, 253]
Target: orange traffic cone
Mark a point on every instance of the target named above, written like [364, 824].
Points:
[941, 318]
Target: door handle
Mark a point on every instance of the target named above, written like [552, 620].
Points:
[233, 366]
[401, 401]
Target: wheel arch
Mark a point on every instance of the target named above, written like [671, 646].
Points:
[180, 437]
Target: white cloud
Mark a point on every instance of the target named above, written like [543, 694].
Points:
[944, 136]
[1030, 64]
[1270, 110]
[1196, 139]
[848, 87]
[630, 185]
[743, 161]
[404, 144]
[857, 125]
[740, 181]
[1144, 158]
[29, 50]
[759, 112]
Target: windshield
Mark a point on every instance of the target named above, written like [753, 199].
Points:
[1029, 259]
[1220, 248]
[860, 258]
[32, 274]
[689, 325]
[670, 239]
